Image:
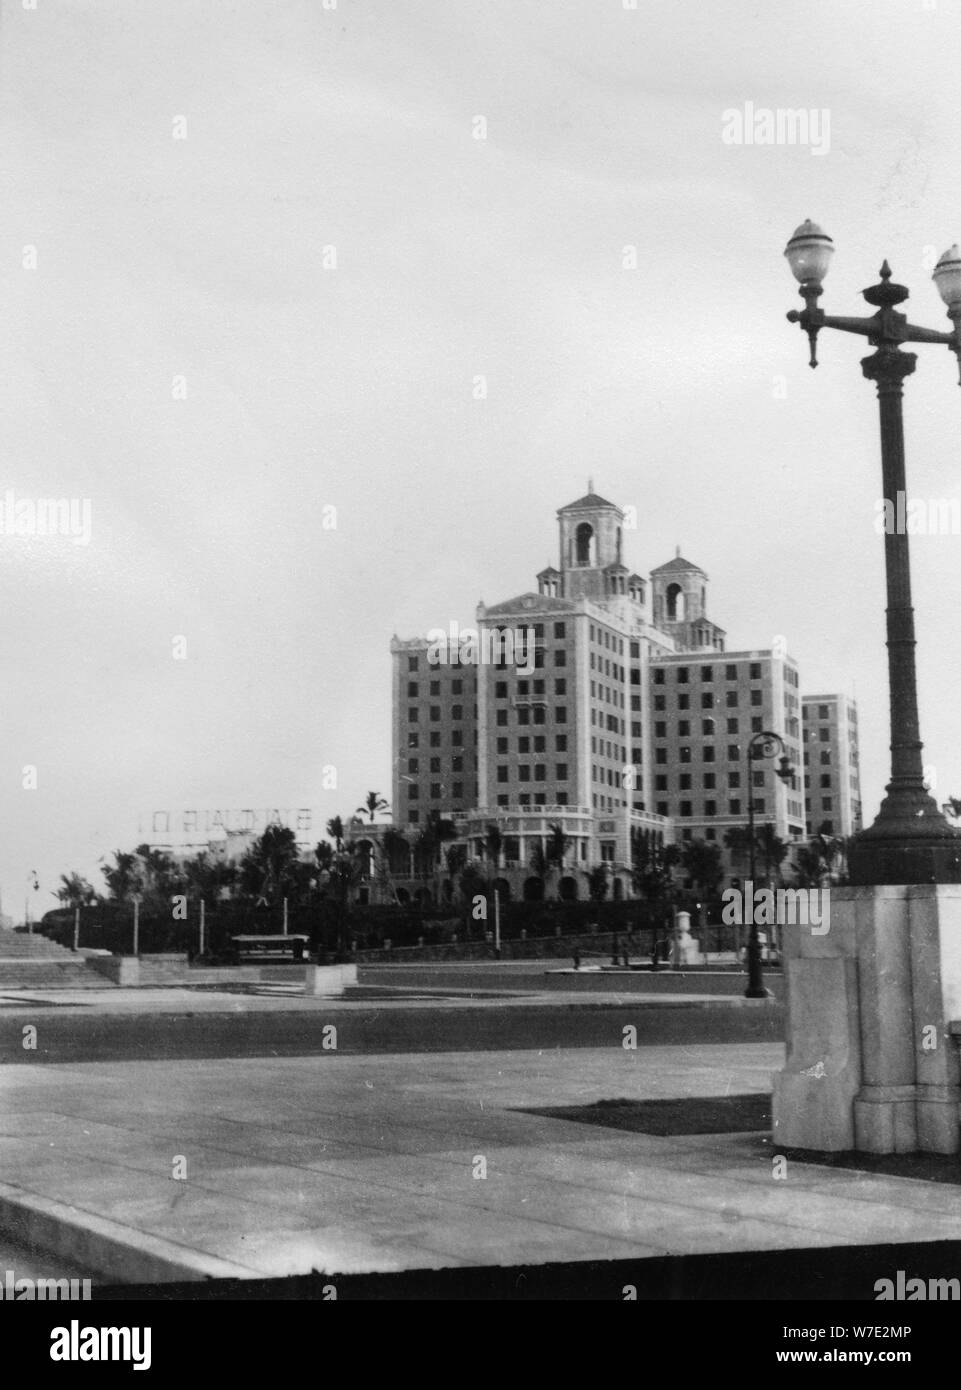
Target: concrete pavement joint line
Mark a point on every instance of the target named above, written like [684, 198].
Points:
[113, 1250]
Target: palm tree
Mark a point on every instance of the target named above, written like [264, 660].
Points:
[557, 846]
[335, 829]
[268, 871]
[701, 862]
[493, 842]
[808, 866]
[396, 850]
[456, 857]
[124, 877]
[374, 804]
[772, 849]
[537, 862]
[75, 891]
[598, 882]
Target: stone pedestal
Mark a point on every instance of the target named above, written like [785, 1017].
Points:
[871, 1065]
[686, 950]
[329, 981]
[120, 970]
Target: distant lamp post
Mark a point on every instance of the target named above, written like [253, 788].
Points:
[910, 841]
[765, 744]
[32, 882]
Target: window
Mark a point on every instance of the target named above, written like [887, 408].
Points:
[412, 663]
[413, 764]
[660, 782]
[524, 772]
[682, 675]
[561, 772]
[523, 744]
[660, 755]
[502, 717]
[502, 745]
[435, 687]
[734, 807]
[684, 754]
[755, 670]
[435, 764]
[435, 714]
[560, 657]
[538, 743]
[709, 779]
[560, 687]
[707, 673]
[684, 782]
[660, 702]
[457, 764]
[413, 793]
[540, 772]
[731, 699]
[435, 790]
[757, 696]
[826, 758]
[710, 808]
[683, 727]
[457, 711]
[733, 779]
[560, 714]
[756, 725]
[707, 700]
[523, 715]
[413, 740]
[412, 690]
[500, 690]
[826, 779]
[685, 808]
[412, 715]
[732, 726]
[457, 687]
[684, 702]
[457, 738]
[757, 779]
[560, 743]
[658, 675]
[730, 672]
[435, 740]
[662, 808]
[707, 727]
[709, 754]
[733, 752]
[823, 712]
[825, 735]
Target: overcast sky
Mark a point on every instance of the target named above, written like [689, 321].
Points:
[677, 386]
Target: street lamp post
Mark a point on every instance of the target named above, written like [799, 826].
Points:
[910, 841]
[765, 744]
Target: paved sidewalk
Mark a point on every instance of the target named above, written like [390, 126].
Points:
[351, 1163]
[283, 998]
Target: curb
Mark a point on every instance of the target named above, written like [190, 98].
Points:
[110, 1250]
